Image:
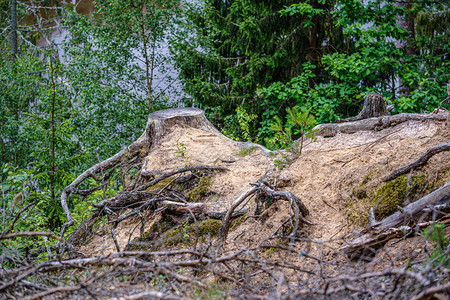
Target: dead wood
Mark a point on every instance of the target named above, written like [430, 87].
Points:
[374, 106]
[244, 272]
[223, 232]
[129, 199]
[136, 148]
[84, 230]
[401, 223]
[419, 162]
[29, 233]
[377, 123]
[160, 204]
[126, 200]
[262, 187]
[178, 171]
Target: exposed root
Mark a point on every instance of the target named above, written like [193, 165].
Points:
[262, 187]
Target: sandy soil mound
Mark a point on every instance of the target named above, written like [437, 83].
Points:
[324, 177]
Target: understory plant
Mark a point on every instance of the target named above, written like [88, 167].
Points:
[298, 123]
[440, 255]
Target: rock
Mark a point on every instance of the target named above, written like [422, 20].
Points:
[285, 178]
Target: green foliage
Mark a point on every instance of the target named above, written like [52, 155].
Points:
[245, 47]
[282, 162]
[435, 233]
[298, 123]
[255, 54]
[14, 182]
[244, 120]
[111, 62]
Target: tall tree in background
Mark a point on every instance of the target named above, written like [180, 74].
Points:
[406, 22]
[13, 29]
[242, 46]
[111, 63]
[324, 56]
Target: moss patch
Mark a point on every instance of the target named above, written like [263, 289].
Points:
[237, 222]
[246, 151]
[202, 189]
[390, 196]
[159, 186]
[385, 198]
[187, 234]
[359, 192]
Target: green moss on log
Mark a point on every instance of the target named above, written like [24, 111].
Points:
[159, 186]
[386, 198]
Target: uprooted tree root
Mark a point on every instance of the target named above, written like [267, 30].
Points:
[262, 187]
[293, 270]
[134, 157]
[162, 201]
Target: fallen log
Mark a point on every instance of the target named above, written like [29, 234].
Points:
[376, 123]
[400, 223]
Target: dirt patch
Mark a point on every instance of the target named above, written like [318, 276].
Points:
[324, 177]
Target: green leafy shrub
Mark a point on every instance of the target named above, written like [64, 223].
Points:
[298, 123]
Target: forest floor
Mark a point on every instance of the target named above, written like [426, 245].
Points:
[325, 177]
[338, 179]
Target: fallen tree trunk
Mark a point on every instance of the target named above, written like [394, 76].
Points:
[400, 223]
[377, 123]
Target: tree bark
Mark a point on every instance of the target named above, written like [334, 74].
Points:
[374, 106]
[14, 29]
[419, 162]
[157, 125]
[261, 186]
[312, 40]
[407, 23]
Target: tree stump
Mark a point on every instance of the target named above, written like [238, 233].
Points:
[161, 121]
[374, 106]
[157, 125]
